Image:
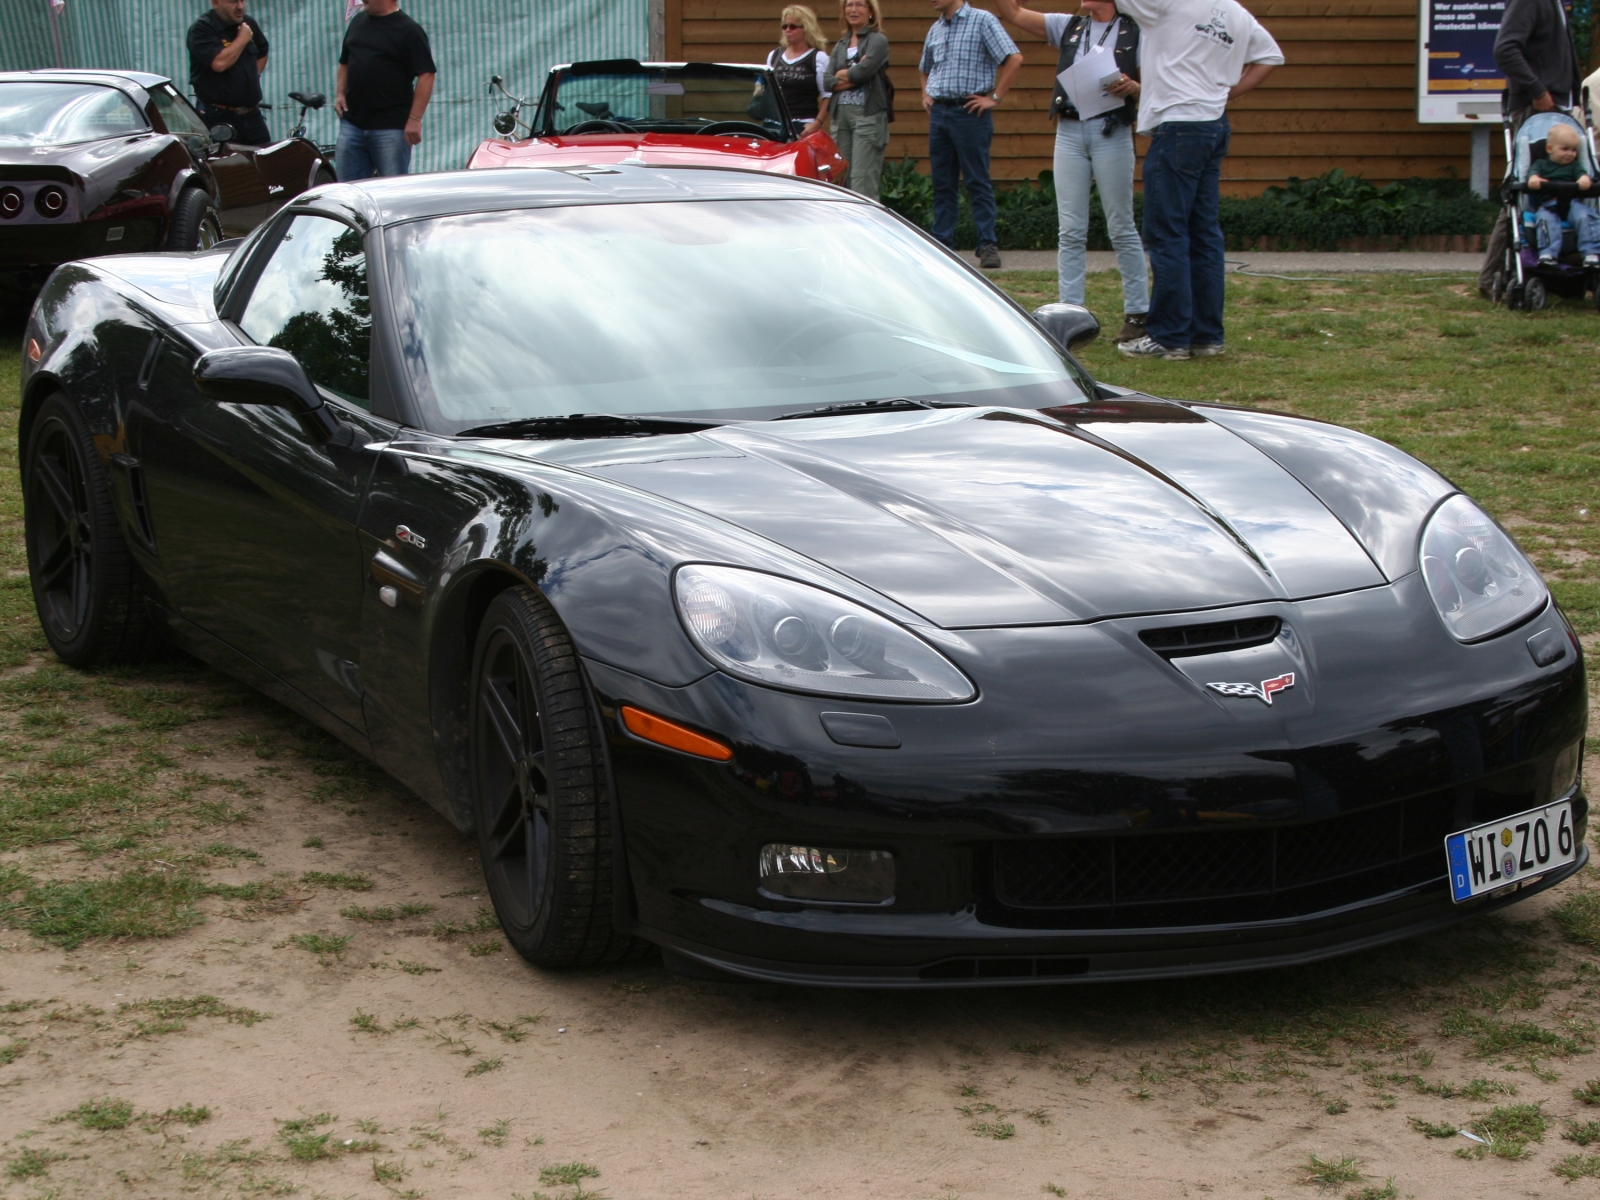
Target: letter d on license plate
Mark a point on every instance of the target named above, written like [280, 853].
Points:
[1512, 848]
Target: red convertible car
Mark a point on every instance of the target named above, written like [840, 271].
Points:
[660, 114]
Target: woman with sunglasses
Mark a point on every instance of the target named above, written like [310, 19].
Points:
[800, 66]
[862, 97]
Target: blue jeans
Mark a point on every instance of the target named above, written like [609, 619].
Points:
[1084, 154]
[958, 147]
[1182, 188]
[363, 153]
[1584, 223]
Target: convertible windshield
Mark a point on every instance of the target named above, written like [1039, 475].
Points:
[60, 114]
[658, 99]
[735, 308]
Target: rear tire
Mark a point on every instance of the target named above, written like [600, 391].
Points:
[324, 175]
[541, 796]
[86, 586]
[195, 224]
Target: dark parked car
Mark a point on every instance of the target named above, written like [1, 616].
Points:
[107, 162]
[837, 635]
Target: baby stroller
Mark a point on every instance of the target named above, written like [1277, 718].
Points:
[1524, 282]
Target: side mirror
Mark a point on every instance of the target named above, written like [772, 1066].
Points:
[221, 133]
[1070, 326]
[269, 376]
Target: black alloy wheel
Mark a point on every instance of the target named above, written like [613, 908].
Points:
[540, 793]
[86, 587]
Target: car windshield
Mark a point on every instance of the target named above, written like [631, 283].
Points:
[659, 99]
[34, 113]
[738, 309]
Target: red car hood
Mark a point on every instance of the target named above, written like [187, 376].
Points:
[654, 149]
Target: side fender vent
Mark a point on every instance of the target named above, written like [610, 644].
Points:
[1179, 640]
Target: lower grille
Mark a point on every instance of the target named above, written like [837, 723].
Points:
[1200, 876]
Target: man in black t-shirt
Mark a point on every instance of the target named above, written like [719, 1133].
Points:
[379, 108]
[227, 53]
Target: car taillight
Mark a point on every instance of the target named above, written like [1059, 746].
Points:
[10, 202]
[51, 202]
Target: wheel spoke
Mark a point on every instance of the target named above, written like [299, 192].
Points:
[506, 727]
[58, 490]
[507, 826]
[58, 561]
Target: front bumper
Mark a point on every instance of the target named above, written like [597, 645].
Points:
[1317, 824]
[960, 952]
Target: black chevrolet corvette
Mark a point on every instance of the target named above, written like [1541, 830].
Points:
[758, 581]
[107, 162]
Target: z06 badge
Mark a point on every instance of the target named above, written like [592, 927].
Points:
[1262, 691]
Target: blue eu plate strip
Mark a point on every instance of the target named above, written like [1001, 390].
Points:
[1460, 879]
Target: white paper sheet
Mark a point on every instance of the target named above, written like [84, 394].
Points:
[1082, 83]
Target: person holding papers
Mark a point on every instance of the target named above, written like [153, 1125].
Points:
[1095, 105]
[1198, 55]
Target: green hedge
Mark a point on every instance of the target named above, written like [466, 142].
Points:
[1314, 214]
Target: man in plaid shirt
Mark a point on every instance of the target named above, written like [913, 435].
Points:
[968, 63]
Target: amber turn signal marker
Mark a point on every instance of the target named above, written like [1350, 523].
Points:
[669, 733]
[35, 351]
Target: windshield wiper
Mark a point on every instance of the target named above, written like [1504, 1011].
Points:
[587, 425]
[898, 404]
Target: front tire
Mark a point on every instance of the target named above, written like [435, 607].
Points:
[540, 793]
[195, 224]
[86, 587]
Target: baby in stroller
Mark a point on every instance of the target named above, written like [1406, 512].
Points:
[1550, 167]
[1560, 165]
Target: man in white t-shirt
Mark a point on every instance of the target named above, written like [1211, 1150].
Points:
[1198, 55]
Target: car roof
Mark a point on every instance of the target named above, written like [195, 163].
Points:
[123, 80]
[601, 66]
[400, 198]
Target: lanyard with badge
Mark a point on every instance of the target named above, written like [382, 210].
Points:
[1109, 126]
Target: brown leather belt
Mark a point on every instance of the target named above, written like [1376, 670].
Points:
[228, 108]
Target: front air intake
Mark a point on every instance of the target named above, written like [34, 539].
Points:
[1179, 640]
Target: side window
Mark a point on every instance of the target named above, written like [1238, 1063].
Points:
[311, 300]
[177, 114]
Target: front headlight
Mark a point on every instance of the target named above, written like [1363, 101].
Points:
[1477, 577]
[785, 634]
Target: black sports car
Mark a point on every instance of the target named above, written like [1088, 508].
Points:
[102, 162]
[759, 581]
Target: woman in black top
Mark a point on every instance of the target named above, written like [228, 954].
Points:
[800, 65]
[862, 97]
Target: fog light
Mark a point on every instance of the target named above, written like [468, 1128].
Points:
[828, 875]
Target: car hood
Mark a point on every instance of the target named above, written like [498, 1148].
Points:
[654, 149]
[990, 517]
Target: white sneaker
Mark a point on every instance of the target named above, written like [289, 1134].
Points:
[1148, 347]
[1207, 349]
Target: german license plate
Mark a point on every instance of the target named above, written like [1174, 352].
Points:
[1512, 848]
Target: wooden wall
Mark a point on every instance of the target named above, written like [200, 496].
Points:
[1346, 96]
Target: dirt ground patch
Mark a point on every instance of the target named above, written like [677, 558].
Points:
[352, 1025]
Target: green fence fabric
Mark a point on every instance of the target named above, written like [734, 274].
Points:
[472, 39]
